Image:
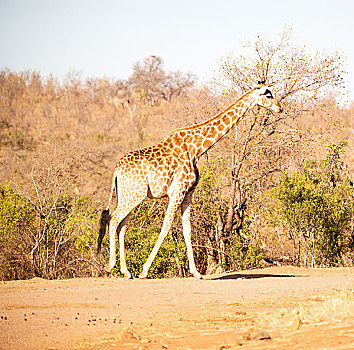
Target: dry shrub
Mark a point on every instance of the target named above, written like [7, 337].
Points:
[45, 231]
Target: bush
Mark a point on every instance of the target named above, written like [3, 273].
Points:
[316, 204]
[218, 249]
[51, 239]
[244, 250]
[16, 220]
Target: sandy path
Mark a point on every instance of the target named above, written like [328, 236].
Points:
[157, 314]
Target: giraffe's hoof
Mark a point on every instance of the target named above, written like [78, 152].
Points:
[127, 275]
[197, 276]
[106, 271]
[143, 275]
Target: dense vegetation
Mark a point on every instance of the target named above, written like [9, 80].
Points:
[277, 189]
[315, 204]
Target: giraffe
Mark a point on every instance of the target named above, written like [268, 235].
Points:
[169, 169]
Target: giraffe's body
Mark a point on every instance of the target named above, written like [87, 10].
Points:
[169, 168]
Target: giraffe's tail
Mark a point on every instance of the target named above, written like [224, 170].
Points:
[104, 221]
[105, 217]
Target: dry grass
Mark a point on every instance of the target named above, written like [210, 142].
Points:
[333, 308]
[330, 309]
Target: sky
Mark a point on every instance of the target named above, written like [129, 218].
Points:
[106, 37]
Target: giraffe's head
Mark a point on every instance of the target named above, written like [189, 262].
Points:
[263, 97]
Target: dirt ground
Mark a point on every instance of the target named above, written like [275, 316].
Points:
[273, 308]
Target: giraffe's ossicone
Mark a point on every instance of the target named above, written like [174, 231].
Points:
[169, 169]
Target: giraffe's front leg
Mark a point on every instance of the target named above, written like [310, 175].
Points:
[187, 230]
[173, 205]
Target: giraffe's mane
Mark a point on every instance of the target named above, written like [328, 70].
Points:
[212, 119]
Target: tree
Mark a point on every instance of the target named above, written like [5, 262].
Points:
[155, 84]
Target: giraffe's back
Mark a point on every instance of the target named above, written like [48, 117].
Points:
[149, 169]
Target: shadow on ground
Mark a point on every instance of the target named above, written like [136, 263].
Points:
[250, 276]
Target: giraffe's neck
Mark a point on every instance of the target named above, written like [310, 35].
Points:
[209, 133]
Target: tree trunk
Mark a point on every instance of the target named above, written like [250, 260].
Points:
[234, 217]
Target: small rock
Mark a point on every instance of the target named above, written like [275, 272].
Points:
[261, 335]
[131, 336]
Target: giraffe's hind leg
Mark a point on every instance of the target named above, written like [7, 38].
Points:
[121, 233]
[118, 224]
